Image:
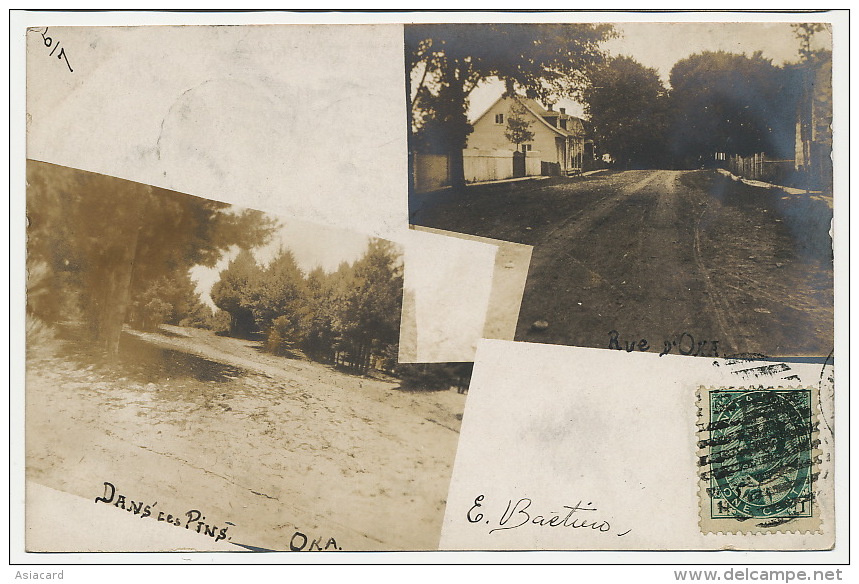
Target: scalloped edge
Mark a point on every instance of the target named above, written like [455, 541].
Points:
[731, 526]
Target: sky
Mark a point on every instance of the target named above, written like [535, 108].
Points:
[312, 245]
[661, 45]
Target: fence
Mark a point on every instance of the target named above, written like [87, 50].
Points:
[431, 172]
[480, 165]
[550, 168]
[759, 167]
[533, 165]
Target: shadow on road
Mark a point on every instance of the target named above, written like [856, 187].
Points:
[142, 362]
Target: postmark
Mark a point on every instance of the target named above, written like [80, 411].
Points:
[757, 459]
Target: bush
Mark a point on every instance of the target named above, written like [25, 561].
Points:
[283, 336]
[199, 316]
[427, 376]
[221, 322]
[435, 376]
[274, 343]
[388, 357]
[154, 313]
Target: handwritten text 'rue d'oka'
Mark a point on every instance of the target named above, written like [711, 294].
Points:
[685, 344]
[192, 519]
[520, 514]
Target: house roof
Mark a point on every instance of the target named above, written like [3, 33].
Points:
[539, 112]
[534, 106]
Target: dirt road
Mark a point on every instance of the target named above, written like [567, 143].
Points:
[677, 257]
[267, 445]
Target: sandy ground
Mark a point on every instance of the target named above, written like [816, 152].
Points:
[677, 256]
[263, 445]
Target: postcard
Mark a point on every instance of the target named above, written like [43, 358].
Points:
[312, 282]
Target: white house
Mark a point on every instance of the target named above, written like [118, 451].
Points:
[559, 138]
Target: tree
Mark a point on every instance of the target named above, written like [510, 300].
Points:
[814, 109]
[236, 291]
[280, 304]
[325, 296]
[117, 236]
[628, 108]
[270, 301]
[518, 126]
[371, 314]
[805, 32]
[737, 104]
[447, 61]
[350, 316]
[171, 299]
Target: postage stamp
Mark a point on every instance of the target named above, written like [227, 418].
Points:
[757, 458]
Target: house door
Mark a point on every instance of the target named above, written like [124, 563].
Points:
[518, 164]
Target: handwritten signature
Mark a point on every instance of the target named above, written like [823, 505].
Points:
[519, 514]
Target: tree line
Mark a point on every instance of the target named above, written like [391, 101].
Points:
[349, 317]
[103, 252]
[717, 101]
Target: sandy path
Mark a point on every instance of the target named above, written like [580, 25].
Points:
[280, 447]
[685, 257]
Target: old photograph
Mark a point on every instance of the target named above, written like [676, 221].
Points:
[226, 373]
[479, 284]
[674, 179]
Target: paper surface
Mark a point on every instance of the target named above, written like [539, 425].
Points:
[447, 288]
[286, 119]
[508, 282]
[610, 431]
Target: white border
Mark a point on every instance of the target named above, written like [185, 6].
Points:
[19, 20]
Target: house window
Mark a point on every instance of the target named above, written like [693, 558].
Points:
[564, 124]
[499, 118]
[526, 147]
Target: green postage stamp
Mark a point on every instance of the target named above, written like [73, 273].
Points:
[757, 459]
